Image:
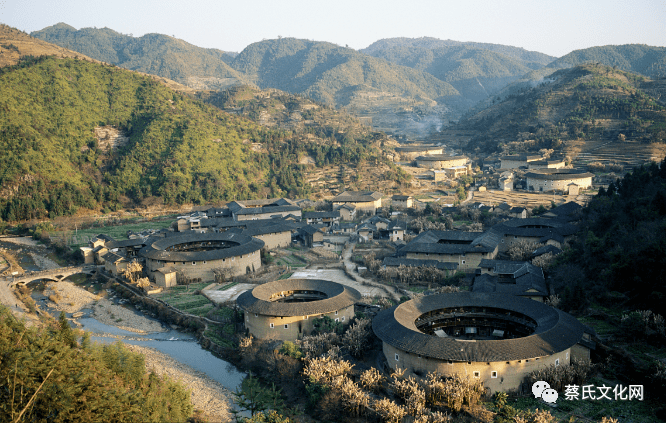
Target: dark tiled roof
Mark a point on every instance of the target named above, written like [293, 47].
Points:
[534, 227]
[321, 215]
[258, 301]
[263, 210]
[401, 197]
[267, 228]
[522, 158]
[546, 249]
[126, 243]
[309, 229]
[566, 211]
[558, 174]
[439, 157]
[414, 149]
[240, 244]
[357, 196]
[435, 242]
[103, 237]
[555, 331]
[399, 261]
[490, 284]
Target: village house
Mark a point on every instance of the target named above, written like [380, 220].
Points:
[518, 161]
[467, 249]
[535, 229]
[519, 278]
[347, 211]
[408, 153]
[328, 218]
[546, 164]
[402, 201]
[311, 236]
[367, 201]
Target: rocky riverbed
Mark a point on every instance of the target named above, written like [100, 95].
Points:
[111, 314]
[211, 398]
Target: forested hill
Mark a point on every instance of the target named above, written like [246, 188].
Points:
[646, 60]
[156, 54]
[587, 102]
[620, 258]
[531, 59]
[475, 72]
[331, 74]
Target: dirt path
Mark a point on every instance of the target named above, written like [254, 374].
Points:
[351, 270]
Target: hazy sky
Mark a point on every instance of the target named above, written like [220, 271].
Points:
[554, 27]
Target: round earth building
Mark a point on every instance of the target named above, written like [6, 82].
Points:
[496, 339]
[198, 256]
[286, 309]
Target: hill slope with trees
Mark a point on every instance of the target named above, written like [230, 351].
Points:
[578, 104]
[475, 72]
[156, 54]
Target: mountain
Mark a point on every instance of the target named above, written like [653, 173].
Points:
[642, 59]
[531, 59]
[331, 74]
[588, 103]
[393, 97]
[646, 60]
[157, 54]
[475, 72]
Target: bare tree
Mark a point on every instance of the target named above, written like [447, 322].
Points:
[357, 337]
[133, 271]
[522, 250]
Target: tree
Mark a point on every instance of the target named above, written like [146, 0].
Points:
[253, 397]
[133, 271]
[66, 331]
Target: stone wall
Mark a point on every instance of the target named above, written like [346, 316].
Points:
[276, 240]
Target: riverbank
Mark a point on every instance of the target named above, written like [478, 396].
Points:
[208, 396]
[110, 314]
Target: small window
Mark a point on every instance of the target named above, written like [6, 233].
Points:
[397, 357]
[336, 312]
[567, 356]
[194, 263]
[255, 314]
[272, 325]
[343, 318]
[286, 326]
[463, 262]
[493, 374]
[557, 362]
[477, 374]
[337, 320]
[204, 262]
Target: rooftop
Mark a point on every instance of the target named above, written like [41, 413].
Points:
[555, 330]
[260, 300]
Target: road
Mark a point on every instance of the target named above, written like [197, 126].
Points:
[351, 270]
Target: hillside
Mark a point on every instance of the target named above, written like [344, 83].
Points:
[157, 54]
[475, 72]
[339, 151]
[584, 104]
[638, 58]
[388, 95]
[331, 74]
[531, 59]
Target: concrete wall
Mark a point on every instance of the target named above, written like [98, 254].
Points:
[297, 326]
[165, 280]
[510, 374]
[204, 269]
[266, 215]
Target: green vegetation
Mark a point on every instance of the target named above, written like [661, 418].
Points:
[156, 54]
[621, 248]
[582, 103]
[47, 376]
